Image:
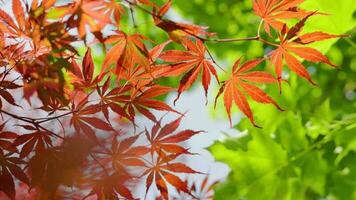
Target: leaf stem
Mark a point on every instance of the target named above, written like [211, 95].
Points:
[212, 59]
[259, 29]
[133, 17]
[235, 39]
[257, 37]
[268, 42]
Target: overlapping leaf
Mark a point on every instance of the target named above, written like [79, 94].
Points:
[162, 172]
[141, 99]
[59, 165]
[206, 189]
[124, 154]
[6, 139]
[114, 9]
[24, 33]
[83, 78]
[109, 187]
[83, 121]
[128, 52]
[9, 168]
[4, 94]
[163, 139]
[8, 25]
[86, 12]
[37, 140]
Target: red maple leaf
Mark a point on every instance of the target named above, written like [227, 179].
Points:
[193, 62]
[83, 122]
[162, 172]
[114, 8]
[124, 154]
[83, 78]
[85, 12]
[292, 44]
[37, 140]
[142, 75]
[25, 32]
[7, 96]
[9, 168]
[6, 138]
[163, 139]
[143, 98]
[128, 52]
[274, 12]
[111, 186]
[240, 82]
[9, 27]
[204, 190]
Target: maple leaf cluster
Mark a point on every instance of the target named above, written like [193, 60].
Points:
[289, 42]
[76, 135]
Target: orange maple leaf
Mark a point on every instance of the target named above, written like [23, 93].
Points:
[292, 43]
[239, 83]
[193, 62]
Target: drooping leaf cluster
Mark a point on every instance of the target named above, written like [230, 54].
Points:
[77, 135]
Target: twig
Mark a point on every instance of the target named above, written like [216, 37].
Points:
[133, 17]
[235, 39]
[24, 119]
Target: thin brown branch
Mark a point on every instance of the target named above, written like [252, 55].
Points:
[28, 120]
